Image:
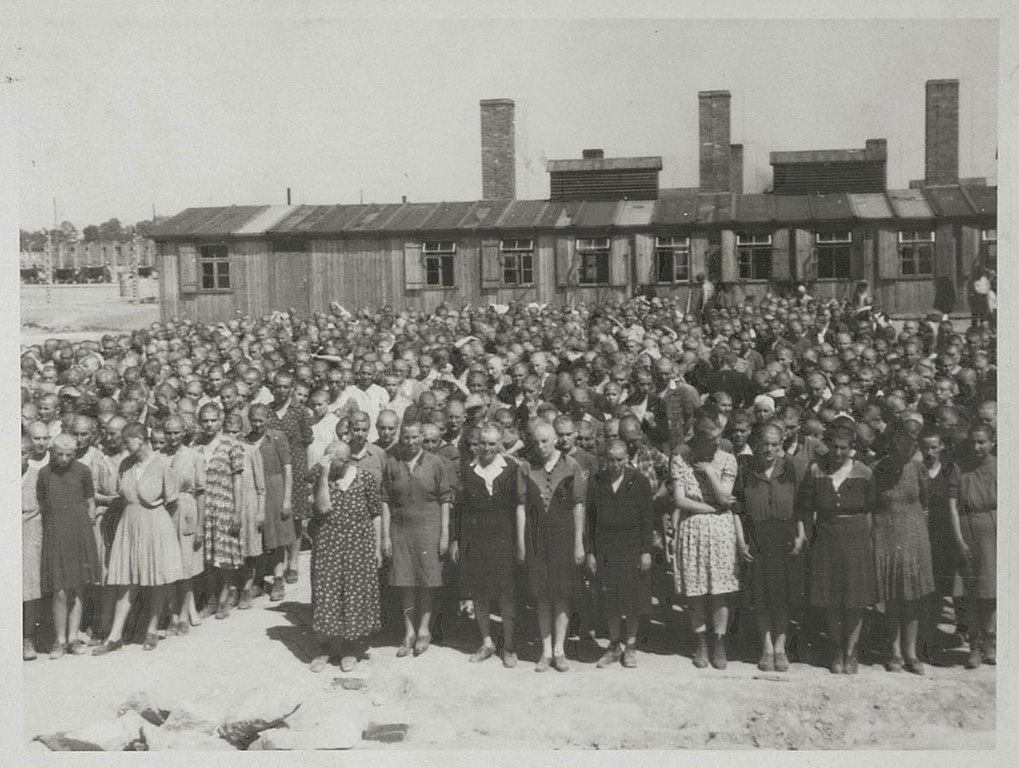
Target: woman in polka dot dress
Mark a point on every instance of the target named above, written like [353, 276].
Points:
[345, 558]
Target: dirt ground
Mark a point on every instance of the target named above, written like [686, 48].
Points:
[665, 703]
[79, 312]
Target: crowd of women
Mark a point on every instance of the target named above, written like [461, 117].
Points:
[783, 458]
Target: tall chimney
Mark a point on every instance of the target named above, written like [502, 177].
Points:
[714, 137]
[736, 169]
[498, 150]
[942, 135]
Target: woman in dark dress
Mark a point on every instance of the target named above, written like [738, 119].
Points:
[902, 549]
[278, 526]
[620, 519]
[70, 560]
[975, 525]
[417, 490]
[838, 498]
[345, 558]
[291, 418]
[487, 538]
[942, 485]
[772, 540]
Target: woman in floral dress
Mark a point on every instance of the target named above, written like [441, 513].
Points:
[705, 545]
[252, 507]
[189, 520]
[224, 468]
[345, 558]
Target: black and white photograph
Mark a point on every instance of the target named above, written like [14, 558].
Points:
[471, 377]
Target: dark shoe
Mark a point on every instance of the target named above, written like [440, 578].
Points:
[767, 662]
[561, 663]
[28, 650]
[290, 576]
[183, 628]
[543, 665]
[233, 597]
[483, 653]
[718, 660]
[894, 664]
[422, 644]
[151, 641]
[244, 603]
[781, 662]
[838, 662]
[630, 656]
[509, 659]
[58, 650]
[277, 591]
[914, 666]
[700, 657]
[77, 648]
[611, 656]
[989, 648]
[107, 647]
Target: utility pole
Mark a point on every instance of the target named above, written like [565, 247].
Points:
[49, 267]
[134, 269]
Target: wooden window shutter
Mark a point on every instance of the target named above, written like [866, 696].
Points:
[619, 262]
[780, 255]
[413, 267]
[887, 254]
[491, 264]
[806, 256]
[729, 268]
[856, 255]
[645, 259]
[187, 256]
[565, 268]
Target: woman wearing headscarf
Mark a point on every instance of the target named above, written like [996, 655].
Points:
[146, 549]
[345, 558]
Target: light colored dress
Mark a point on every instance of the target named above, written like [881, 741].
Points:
[705, 544]
[252, 501]
[189, 464]
[145, 551]
[31, 537]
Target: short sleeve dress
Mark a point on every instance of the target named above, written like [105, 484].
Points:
[146, 550]
[276, 455]
[69, 555]
[189, 465]
[705, 544]
[902, 547]
[978, 519]
[345, 584]
[252, 501]
[296, 425]
[224, 458]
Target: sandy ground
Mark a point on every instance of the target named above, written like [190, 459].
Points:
[664, 703]
[79, 312]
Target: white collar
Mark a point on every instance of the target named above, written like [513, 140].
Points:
[549, 465]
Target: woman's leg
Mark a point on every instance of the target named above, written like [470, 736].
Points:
[508, 612]
[615, 622]
[228, 576]
[853, 624]
[482, 615]
[764, 632]
[720, 625]
[697, 624]
[425, 597]
[910, 628]
[29, 617]
[893, 620]
[120, 612]
[989, 630]
[407, 601]
[74, 614]
[779, 629]
[545, 626]
[60, 616]
[157, 595]
[562, 626]
[833, 616]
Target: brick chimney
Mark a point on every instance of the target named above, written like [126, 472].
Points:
[498, 150]
[714, 137]
[736, 169]
[942, 134]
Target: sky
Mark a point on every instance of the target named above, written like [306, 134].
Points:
[119, 114]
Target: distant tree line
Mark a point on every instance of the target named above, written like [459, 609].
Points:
[111, 231]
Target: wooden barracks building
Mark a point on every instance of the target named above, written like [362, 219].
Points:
[607, 229]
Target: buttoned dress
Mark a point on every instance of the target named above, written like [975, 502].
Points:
[552, 495]
[842, 555]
